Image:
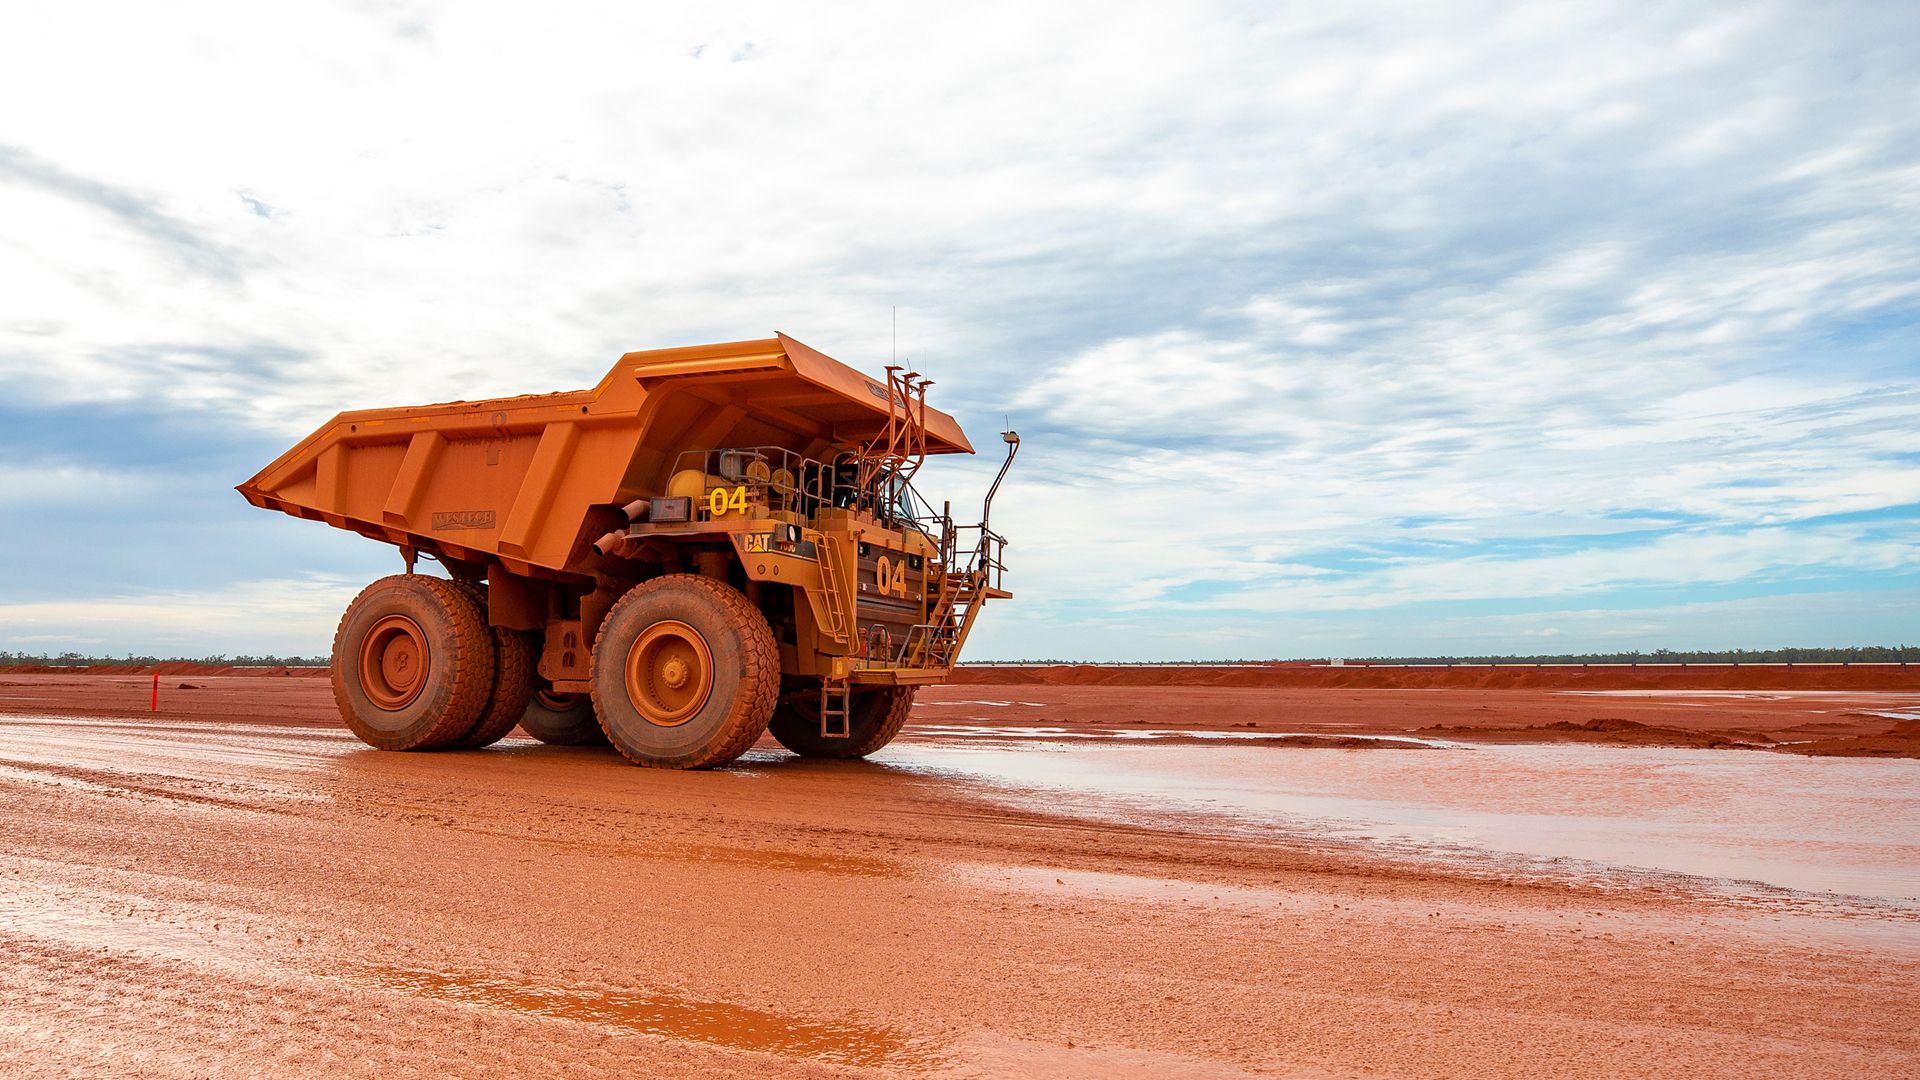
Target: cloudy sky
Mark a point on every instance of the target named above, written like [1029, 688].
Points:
[1412, 328]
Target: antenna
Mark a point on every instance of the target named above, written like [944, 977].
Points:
[896, 334]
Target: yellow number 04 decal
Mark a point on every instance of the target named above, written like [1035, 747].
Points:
[721, 501]
[890, 576]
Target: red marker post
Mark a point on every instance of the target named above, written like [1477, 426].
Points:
[156, 692]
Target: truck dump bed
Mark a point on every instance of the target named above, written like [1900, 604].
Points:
[531, 481]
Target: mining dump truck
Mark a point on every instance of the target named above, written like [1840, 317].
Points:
[713, 543]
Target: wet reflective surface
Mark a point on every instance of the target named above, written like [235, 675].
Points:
[194, 897]
[1842, 825]
[668, 1016]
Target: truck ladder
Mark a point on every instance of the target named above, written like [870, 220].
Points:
[836, 709]
[947, 625]
[830, 576]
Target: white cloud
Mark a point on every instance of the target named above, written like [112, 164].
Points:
[1686, 559]
[260, 618]
[38, 482]
[1276, 293]
[464, 201]
[1798, 619]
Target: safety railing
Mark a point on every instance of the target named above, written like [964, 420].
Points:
[737, 479]
[773, 477]
[977, 551]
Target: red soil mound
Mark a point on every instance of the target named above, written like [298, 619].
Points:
[1901, 740]
[169, 667]
[1611, 731]
[1691, 677]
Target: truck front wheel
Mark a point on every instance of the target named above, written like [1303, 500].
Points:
[412, 663]
[875, 717]
[685, 673]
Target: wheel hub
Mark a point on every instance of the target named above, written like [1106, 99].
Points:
[393, 662]
[555, 702]
[669, 673]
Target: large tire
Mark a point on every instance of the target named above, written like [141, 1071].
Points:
[412, 663]
[875, 717]
[685, 673]
[561, 719]
[513, 664]
[514, 660]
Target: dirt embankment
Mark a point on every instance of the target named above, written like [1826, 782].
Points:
[169, 667]
[1280, 676]
[1568, 677]
[1797, 710]
[1820, 710]
[1613, 731]
[1900, 740]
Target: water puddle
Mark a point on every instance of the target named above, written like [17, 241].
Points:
[670, 1016]
[202, 938]
[128, 923]
[1750, 695]
[987, 1054]
[125, 746]
[1844, 828]
[1343, 740]
[83, 928]
[769, 859]
[179, 792]
[1107, 885]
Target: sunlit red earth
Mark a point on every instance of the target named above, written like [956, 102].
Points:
[1083, 872]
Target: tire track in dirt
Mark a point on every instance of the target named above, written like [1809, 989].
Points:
[862, 898]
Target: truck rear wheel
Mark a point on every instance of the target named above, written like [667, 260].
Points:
[874, 718]
[685, 673]
[412, 663]
[513, 663]
[514, 659]
[561, 719]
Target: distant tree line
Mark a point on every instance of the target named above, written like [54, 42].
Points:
[74, 659]
[1857, 654]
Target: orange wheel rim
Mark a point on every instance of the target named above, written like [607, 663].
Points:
[669, 673]
[393, 662]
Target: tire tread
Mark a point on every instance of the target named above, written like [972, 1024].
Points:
[760, 656]
[471, 676]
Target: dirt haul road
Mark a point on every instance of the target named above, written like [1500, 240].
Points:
[237, 887]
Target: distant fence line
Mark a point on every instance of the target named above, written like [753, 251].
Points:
[1216, 663]
[1362, 666]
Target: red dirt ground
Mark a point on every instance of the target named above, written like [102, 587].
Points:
[236, 887]
[1823, 710]
[1817, 710]
[1511, 677]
